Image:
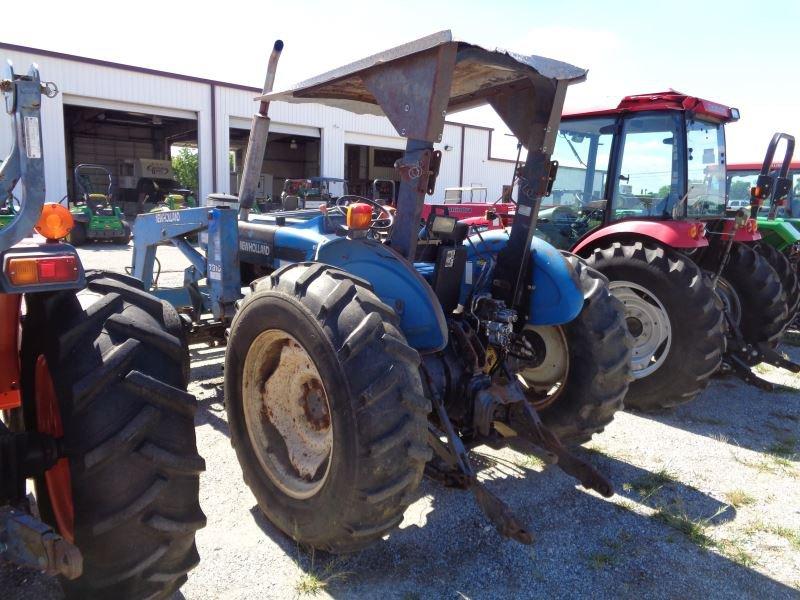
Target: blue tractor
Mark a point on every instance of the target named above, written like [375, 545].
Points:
[370, 348]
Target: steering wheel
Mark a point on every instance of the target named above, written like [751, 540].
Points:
[382, 217]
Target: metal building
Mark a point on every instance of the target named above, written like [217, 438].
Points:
[116, 115]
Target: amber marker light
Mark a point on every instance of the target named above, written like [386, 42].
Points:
[55, 221]
[359, 216]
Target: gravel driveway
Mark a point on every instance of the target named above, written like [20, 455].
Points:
[707, 504]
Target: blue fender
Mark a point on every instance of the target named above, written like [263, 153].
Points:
[557, 296]
[397, 284]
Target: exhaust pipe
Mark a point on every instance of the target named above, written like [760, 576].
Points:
[257, 143]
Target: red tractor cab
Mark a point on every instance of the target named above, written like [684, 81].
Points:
[641, 194]
[471, 205]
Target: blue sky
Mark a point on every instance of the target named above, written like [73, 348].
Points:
[744, 54]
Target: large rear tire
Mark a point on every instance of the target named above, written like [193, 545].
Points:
[786, 273]
[673, 315]
[764, 311]
[326, 407]
[591, 358]
[128, 494]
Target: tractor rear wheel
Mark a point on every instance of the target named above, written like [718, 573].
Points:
[763, 313]
[673, 316]
[326, 407]
[786, 273]
[583, 378]
[105, 369]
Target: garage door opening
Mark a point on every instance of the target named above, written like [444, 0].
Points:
[136, 148]
[288, 156]
[363, 165]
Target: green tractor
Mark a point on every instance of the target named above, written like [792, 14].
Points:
[96, 218]
[8, 210]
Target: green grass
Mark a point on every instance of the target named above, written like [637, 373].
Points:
[785, 448]
[733, 550]
[311, 582]
[310, 585]
[648, 485]
[695, 530]
[790, 535]
[610, 555]
[738, 498]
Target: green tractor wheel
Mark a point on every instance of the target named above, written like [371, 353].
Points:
[77, 235]
[326, 407]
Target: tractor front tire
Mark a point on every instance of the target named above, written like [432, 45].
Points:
[598, 348]
[326, 407]
[77, 235]
[117, 360]
[666, 296]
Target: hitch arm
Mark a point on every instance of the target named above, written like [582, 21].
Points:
[455, 454]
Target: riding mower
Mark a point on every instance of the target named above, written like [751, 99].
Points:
[352, 367]
[7, 211]
[93, 374]
[96, 218]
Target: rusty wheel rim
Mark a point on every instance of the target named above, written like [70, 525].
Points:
[57, 479]
[287, 414]
[548, 379]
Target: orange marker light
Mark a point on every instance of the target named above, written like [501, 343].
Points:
[22, 271]
[359, 216]
[55, 221]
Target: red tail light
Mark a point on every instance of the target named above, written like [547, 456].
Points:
[42, 269]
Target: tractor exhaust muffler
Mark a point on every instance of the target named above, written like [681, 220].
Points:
[257, 143]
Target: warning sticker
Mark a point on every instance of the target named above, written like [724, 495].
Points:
[33, 142]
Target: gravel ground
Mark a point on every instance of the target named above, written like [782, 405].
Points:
[707, 504]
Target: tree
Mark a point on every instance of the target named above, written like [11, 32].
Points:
[740, 190]
[185, 164]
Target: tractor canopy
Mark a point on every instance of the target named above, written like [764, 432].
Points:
[414, 85]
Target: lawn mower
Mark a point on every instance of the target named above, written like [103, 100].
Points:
[93, 374]
[96, 218]
[8, 211]
[368, 352]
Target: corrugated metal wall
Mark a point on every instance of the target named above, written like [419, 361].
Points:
[92, 85]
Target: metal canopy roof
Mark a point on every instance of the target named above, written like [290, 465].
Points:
[478, 74]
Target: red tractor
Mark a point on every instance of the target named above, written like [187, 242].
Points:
[93, 374]
[641, 194]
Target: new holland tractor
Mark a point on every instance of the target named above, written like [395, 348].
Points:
[96, 217]
[361, 357]
[93, 375]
